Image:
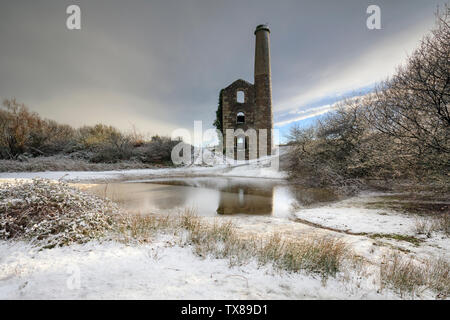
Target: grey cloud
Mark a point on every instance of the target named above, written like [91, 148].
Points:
[161, 64]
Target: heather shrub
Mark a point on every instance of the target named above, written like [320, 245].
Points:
[52, 213]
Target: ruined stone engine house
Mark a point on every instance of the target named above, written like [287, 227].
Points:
[247, 108]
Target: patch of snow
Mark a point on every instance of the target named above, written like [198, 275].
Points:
[259, 168]
[359, 220]
[351, 216]
[161, 270]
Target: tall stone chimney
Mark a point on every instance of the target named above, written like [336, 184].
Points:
[263, 85]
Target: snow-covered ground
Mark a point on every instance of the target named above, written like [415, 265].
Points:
[164, 270]
[352, 217]
[259, 169]
[161, 270]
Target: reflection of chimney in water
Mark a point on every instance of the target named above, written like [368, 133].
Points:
[244, 199]
[241, 197]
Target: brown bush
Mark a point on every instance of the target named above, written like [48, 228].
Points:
[23, 134]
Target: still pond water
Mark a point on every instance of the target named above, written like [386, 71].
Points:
[207, 196]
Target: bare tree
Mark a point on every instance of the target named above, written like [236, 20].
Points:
[400, 131]
[413, 106]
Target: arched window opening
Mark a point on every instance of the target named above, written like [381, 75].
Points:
[240, 97]
[240, 117]
[240, 143]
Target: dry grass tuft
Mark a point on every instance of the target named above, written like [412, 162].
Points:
[322, 255]
[407, 276]
[142, 228]
[428, 226]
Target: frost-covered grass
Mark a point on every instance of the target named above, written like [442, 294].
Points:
[114, 173]
[408, 276]
[324, 255]
[65, 163]
[320, 255]
[429, 225]
[161, 269]
[52, 213]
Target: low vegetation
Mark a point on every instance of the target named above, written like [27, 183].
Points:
[70, 163]
[396, 135]
[24, 135]
[428, 226]
[55, 214]
[320, 255]
[413, 240]
[407, 276]
[52, 214]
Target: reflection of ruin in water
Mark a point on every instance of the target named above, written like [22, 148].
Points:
[237, 195]
[206, 196]
[246, 199]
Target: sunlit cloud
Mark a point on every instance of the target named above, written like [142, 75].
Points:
[306, 114]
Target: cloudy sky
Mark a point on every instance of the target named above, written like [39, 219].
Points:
[159, 64]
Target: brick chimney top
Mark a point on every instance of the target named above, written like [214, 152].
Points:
[262, 27]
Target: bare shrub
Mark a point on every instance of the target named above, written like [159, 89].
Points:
[424, 226]
[157, 150]
[24, 132]
[399, 132]
[106, 143]
[443, 223]
[411, 110]
[24, 135]
[330, 154]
